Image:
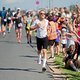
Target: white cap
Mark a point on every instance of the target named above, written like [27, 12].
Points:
[18, 8]
[64, 30]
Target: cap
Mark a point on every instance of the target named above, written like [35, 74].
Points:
[18, 8]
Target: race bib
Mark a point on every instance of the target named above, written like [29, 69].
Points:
[5, 20]
[20, 25]
[9, 18]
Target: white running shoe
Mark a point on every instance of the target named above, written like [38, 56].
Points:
[39, 62]
[4, 34]
[43, 69]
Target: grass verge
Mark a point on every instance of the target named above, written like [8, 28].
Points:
[71, 75]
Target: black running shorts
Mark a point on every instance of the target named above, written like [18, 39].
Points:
[42, 43]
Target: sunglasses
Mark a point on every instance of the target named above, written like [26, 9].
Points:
[42, 13]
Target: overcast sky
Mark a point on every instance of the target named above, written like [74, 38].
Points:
[31, 4]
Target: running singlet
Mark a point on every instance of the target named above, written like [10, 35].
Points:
[3, 14]
[41, 31]
[28, 23]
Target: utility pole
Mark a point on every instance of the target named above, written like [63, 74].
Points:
[52, 3]
[37, 4]
[49, 4]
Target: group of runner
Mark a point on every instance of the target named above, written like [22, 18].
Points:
[57, 28]
[10, 19]
[5, 19]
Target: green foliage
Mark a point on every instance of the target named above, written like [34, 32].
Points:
[72, 75]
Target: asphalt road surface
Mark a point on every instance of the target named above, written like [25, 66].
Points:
[19, 61]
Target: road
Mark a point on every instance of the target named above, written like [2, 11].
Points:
[19, 61]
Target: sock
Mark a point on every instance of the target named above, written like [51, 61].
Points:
[52, 54]
[4, 34]
[9, 29]
[39, 58]
[44, 63]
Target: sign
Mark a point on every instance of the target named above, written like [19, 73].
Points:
[37, 2]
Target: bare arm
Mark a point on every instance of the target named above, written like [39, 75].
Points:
[35, 27]
[75, 34]
[75, 56]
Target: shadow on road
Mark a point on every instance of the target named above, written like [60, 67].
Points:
[18, 69]
[12, 42]
[29, 56]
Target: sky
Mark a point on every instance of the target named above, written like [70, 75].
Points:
[31, 4]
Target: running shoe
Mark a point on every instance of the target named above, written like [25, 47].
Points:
[39, 62]
[19, 41]
[43, 69]
[4, 34]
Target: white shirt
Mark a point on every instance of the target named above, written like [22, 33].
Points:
[41, 31]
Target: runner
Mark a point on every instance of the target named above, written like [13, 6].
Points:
[3, 21]
[9, 21]
[0, 21]
[41, 25]
[28, 32]
[18, 25]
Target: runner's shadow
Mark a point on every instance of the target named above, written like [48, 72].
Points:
[29, 56]
[12, 42]
[32, 45]
[18, 69]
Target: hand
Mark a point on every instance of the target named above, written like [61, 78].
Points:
[38, 25]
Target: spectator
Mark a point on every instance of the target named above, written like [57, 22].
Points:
[71, 60]
[52, 35]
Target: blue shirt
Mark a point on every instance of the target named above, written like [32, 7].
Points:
[3, 14]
